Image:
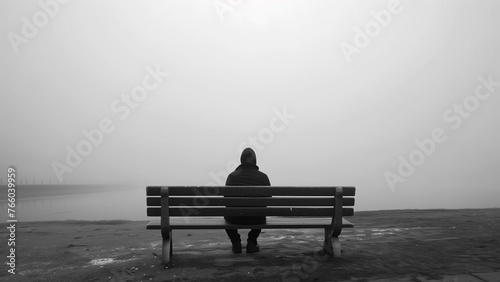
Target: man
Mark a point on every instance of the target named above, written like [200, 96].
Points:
[246, 174]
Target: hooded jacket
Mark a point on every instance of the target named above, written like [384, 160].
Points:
[247, 174]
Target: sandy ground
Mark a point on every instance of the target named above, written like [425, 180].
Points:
[383, 244]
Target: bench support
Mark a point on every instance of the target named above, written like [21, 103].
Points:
[331, 244]
[167, 249]
[166, 231]
[336, 247]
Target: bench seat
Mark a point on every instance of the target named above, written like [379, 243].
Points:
[271, 223]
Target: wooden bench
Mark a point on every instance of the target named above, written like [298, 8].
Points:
[204, 207]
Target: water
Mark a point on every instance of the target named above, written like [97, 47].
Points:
[76, 202]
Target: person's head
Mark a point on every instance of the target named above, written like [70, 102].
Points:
[248, 157]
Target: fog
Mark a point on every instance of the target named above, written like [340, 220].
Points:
[397, 98]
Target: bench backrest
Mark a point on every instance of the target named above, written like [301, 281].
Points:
[250, 201]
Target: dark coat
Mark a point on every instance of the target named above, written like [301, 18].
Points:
[247, 174]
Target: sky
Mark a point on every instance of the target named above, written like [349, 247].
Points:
[397, 98]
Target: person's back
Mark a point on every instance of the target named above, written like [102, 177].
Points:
[246, 174]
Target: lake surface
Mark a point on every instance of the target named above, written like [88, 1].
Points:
[76, 202]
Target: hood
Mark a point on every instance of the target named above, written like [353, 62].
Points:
[248, 157]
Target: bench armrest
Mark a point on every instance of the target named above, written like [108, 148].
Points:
[165, 217]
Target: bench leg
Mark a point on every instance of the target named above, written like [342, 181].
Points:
[336, 247]
[167, 248]
[331, 244]
[327, 244]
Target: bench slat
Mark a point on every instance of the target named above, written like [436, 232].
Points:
[249, 211]
[248, 201]
[250, 191]
[271, 223]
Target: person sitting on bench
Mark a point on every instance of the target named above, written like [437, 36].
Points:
[246, 174]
